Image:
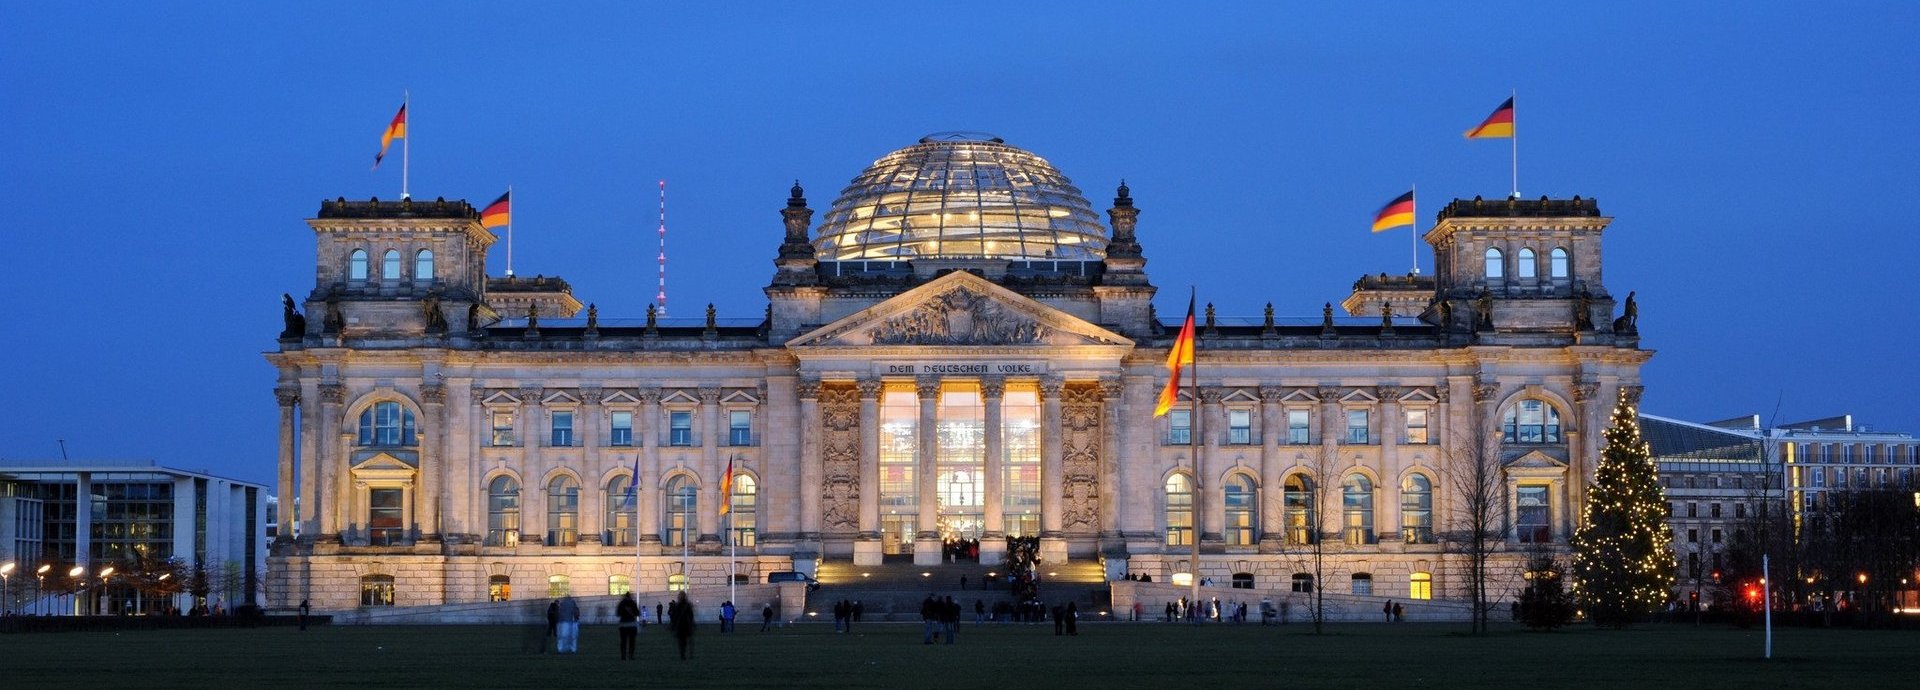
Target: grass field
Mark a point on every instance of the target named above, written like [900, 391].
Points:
[891, 656]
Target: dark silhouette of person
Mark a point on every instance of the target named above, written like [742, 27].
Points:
[682, 617]
[629, 614]
[304, 610]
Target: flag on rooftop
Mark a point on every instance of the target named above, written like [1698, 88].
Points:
[1180, 356]
[499, 212]
[395, 130]
[1395, 214]
[1499, 125]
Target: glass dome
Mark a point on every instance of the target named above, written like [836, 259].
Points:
[961, 195]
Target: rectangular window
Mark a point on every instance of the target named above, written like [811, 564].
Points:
[1739, 510]
[622, 434]
[562, 429]
[1693, 536]
[386, 515]
[1693, 510]
[1299, 427]
[1357, 427]
[502, 428]
[1179, 427]
[680, 428]
[1716, 536]
[1417, 425]
[1239, 427]
[739, 428]
[1713, 510]
[1532, 515]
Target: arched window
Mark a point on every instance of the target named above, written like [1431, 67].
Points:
[499, 588]
[1530, 421]
[1356, 500]
[390, 265]
[1416, 509]
[357, 265]
[1557, 263]
[1363, 584]
[682, 500]
[621, 504]
[619, 584]
[741, 510]
[559, 586]
[1420, 586]
[423, 266]
[1496, 267]
[376, 590]
[386, 423]
[1524, 265]
[503, 512]
[1242, 508]
[1300, 518]
[563, 511]
[1179, 510]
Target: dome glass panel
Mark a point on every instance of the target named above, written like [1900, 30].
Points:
[961, 195]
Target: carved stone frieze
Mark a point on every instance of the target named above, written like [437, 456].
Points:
[961, 316]
[709, 395]
[332, 393]
[1080, 434]
[840, 457]
[648, 396]
[288, 397]
[1632, 394]
[807, 388]
[433, 394]
[993, 387]
[1485, 392]
[1585, 391]
[529, 396]
[1328, 394]
[1272, 393]
[1112, 386]
[1212, 396]
[927, 386]
[1388, 393]
[870, 388]
[1051, 386]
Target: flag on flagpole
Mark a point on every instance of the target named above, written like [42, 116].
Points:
[1395, 214]
[1499, 125]
[1180, 356]
[633, 487]
[395, 130]
[499, 212]
[726, 489]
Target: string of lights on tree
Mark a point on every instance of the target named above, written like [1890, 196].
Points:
[1622, 565]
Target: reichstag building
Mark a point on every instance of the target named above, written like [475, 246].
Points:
[958, 348]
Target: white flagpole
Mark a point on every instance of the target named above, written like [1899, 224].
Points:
[1515, 97]
[406, 142]
[1766, 585]
[509, 231]
[733, 555]
[1415, 228]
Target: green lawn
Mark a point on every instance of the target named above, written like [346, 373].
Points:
[891, 656]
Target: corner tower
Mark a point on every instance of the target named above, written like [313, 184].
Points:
[1515, 267]
[396, 270]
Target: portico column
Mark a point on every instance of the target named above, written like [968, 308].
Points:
[1052, 539]
[287, 397]
[866, 545]
[993, 390]
[1326, 479]
[324, 491]
[433, 465]
[1213, 423]
[533, 494]
[1392, 423]
[1586, 451]
[1112, 472]
[647, 487]
[1272, 514]
[586, 432]
[812, 473]
[711, 467]
[926, 542]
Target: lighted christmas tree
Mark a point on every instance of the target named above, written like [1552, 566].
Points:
[1622, 563]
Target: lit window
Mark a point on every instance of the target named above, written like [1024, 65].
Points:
[502, 428]
[1179, 427]
[1356, 500]
[1531, 421]
[376, 590]
[386, 516]
[357, 265]
[1417, 425]
[1416, 509]
[1533, 519]
[1524, 264]
[1300, 518]
[559, 586]
[562, 436]
[1557, 263]
[621, 503]
[423, 266]
[741, 515]
[1299, 427]
[676, 583]
[390, 265]
[503, 512]
[1239, 427]
[563, 511]
[1241, 503]
[499, 588]
[739, 428]
[1357, 426]
[680, 428]
[1179, 510]
[1421, 586]
[1363, 584]
[682, 501]
[619, 584]
[1496, 268]
[622, 433]
[386, 424]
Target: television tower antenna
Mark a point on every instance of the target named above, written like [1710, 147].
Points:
[660, 300]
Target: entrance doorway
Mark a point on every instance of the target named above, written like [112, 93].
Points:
[960, 536]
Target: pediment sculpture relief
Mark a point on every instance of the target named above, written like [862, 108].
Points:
[961, 317]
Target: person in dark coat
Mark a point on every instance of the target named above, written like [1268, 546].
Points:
[553, 624]
[304, 610]
[766, 617]
[1073, 618]
[1059, 620]
[681, 618]
[629, 614]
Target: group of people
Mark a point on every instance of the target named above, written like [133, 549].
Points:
[845, 614]
[952, 549]
[563, 623]
[939, 616]
[1214, 610]
[1393, 611]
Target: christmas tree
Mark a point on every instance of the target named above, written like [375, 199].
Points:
[1622, 564]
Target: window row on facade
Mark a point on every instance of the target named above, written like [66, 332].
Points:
[1526, 421]
[1526, 264]
[390, 424]
[391, 267]
[618, 502]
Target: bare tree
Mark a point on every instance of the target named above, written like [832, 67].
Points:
[1477, 525]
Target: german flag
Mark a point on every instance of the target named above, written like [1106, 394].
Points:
[497, 213]
[1180, 356]
[1395, 214]
[726, 489]
[395, 130]
[1499, 125]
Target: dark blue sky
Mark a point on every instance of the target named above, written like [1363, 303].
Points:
[158, 162]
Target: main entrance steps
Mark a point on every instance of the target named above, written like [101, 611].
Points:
[892, 591]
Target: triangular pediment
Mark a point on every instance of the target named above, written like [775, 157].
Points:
[381, 461]
[500, 397]
[960, 309]
[1536, 460]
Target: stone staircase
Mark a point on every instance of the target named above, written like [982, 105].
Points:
[893, 590]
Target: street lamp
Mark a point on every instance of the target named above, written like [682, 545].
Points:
[6, 586]
[100, 597]
[40, 593]
[74, 575]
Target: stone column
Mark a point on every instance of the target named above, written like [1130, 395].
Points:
[647, 488]
[303, 508]
[1052, 539]
[533, 494]
[812, 471]
[327, 462]
[993, 543]
[1140, 473]
[926, 538]
[1386, 523]
[1213, 427]
[1485, 395]
[711, 467]
[1326, 476]
[586, 433]
[287, 397]
[1113, 474]
[1273, 427]
[1591, 412]
[866, 546]
[430, 494]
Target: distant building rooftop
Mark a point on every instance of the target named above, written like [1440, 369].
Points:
[1520, 208]
[404, 208]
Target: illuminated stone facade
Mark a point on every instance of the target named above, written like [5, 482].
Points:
[443, 446]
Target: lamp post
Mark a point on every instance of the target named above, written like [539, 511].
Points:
[74, 575]
[6, 587]
[40, 593]
[100, 597]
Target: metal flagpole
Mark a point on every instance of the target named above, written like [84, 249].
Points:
[1194, 442]
[509, 231]
[733, 555]
[406, 141]
[1415, 228]
[1515, 116]
[1766, 586]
